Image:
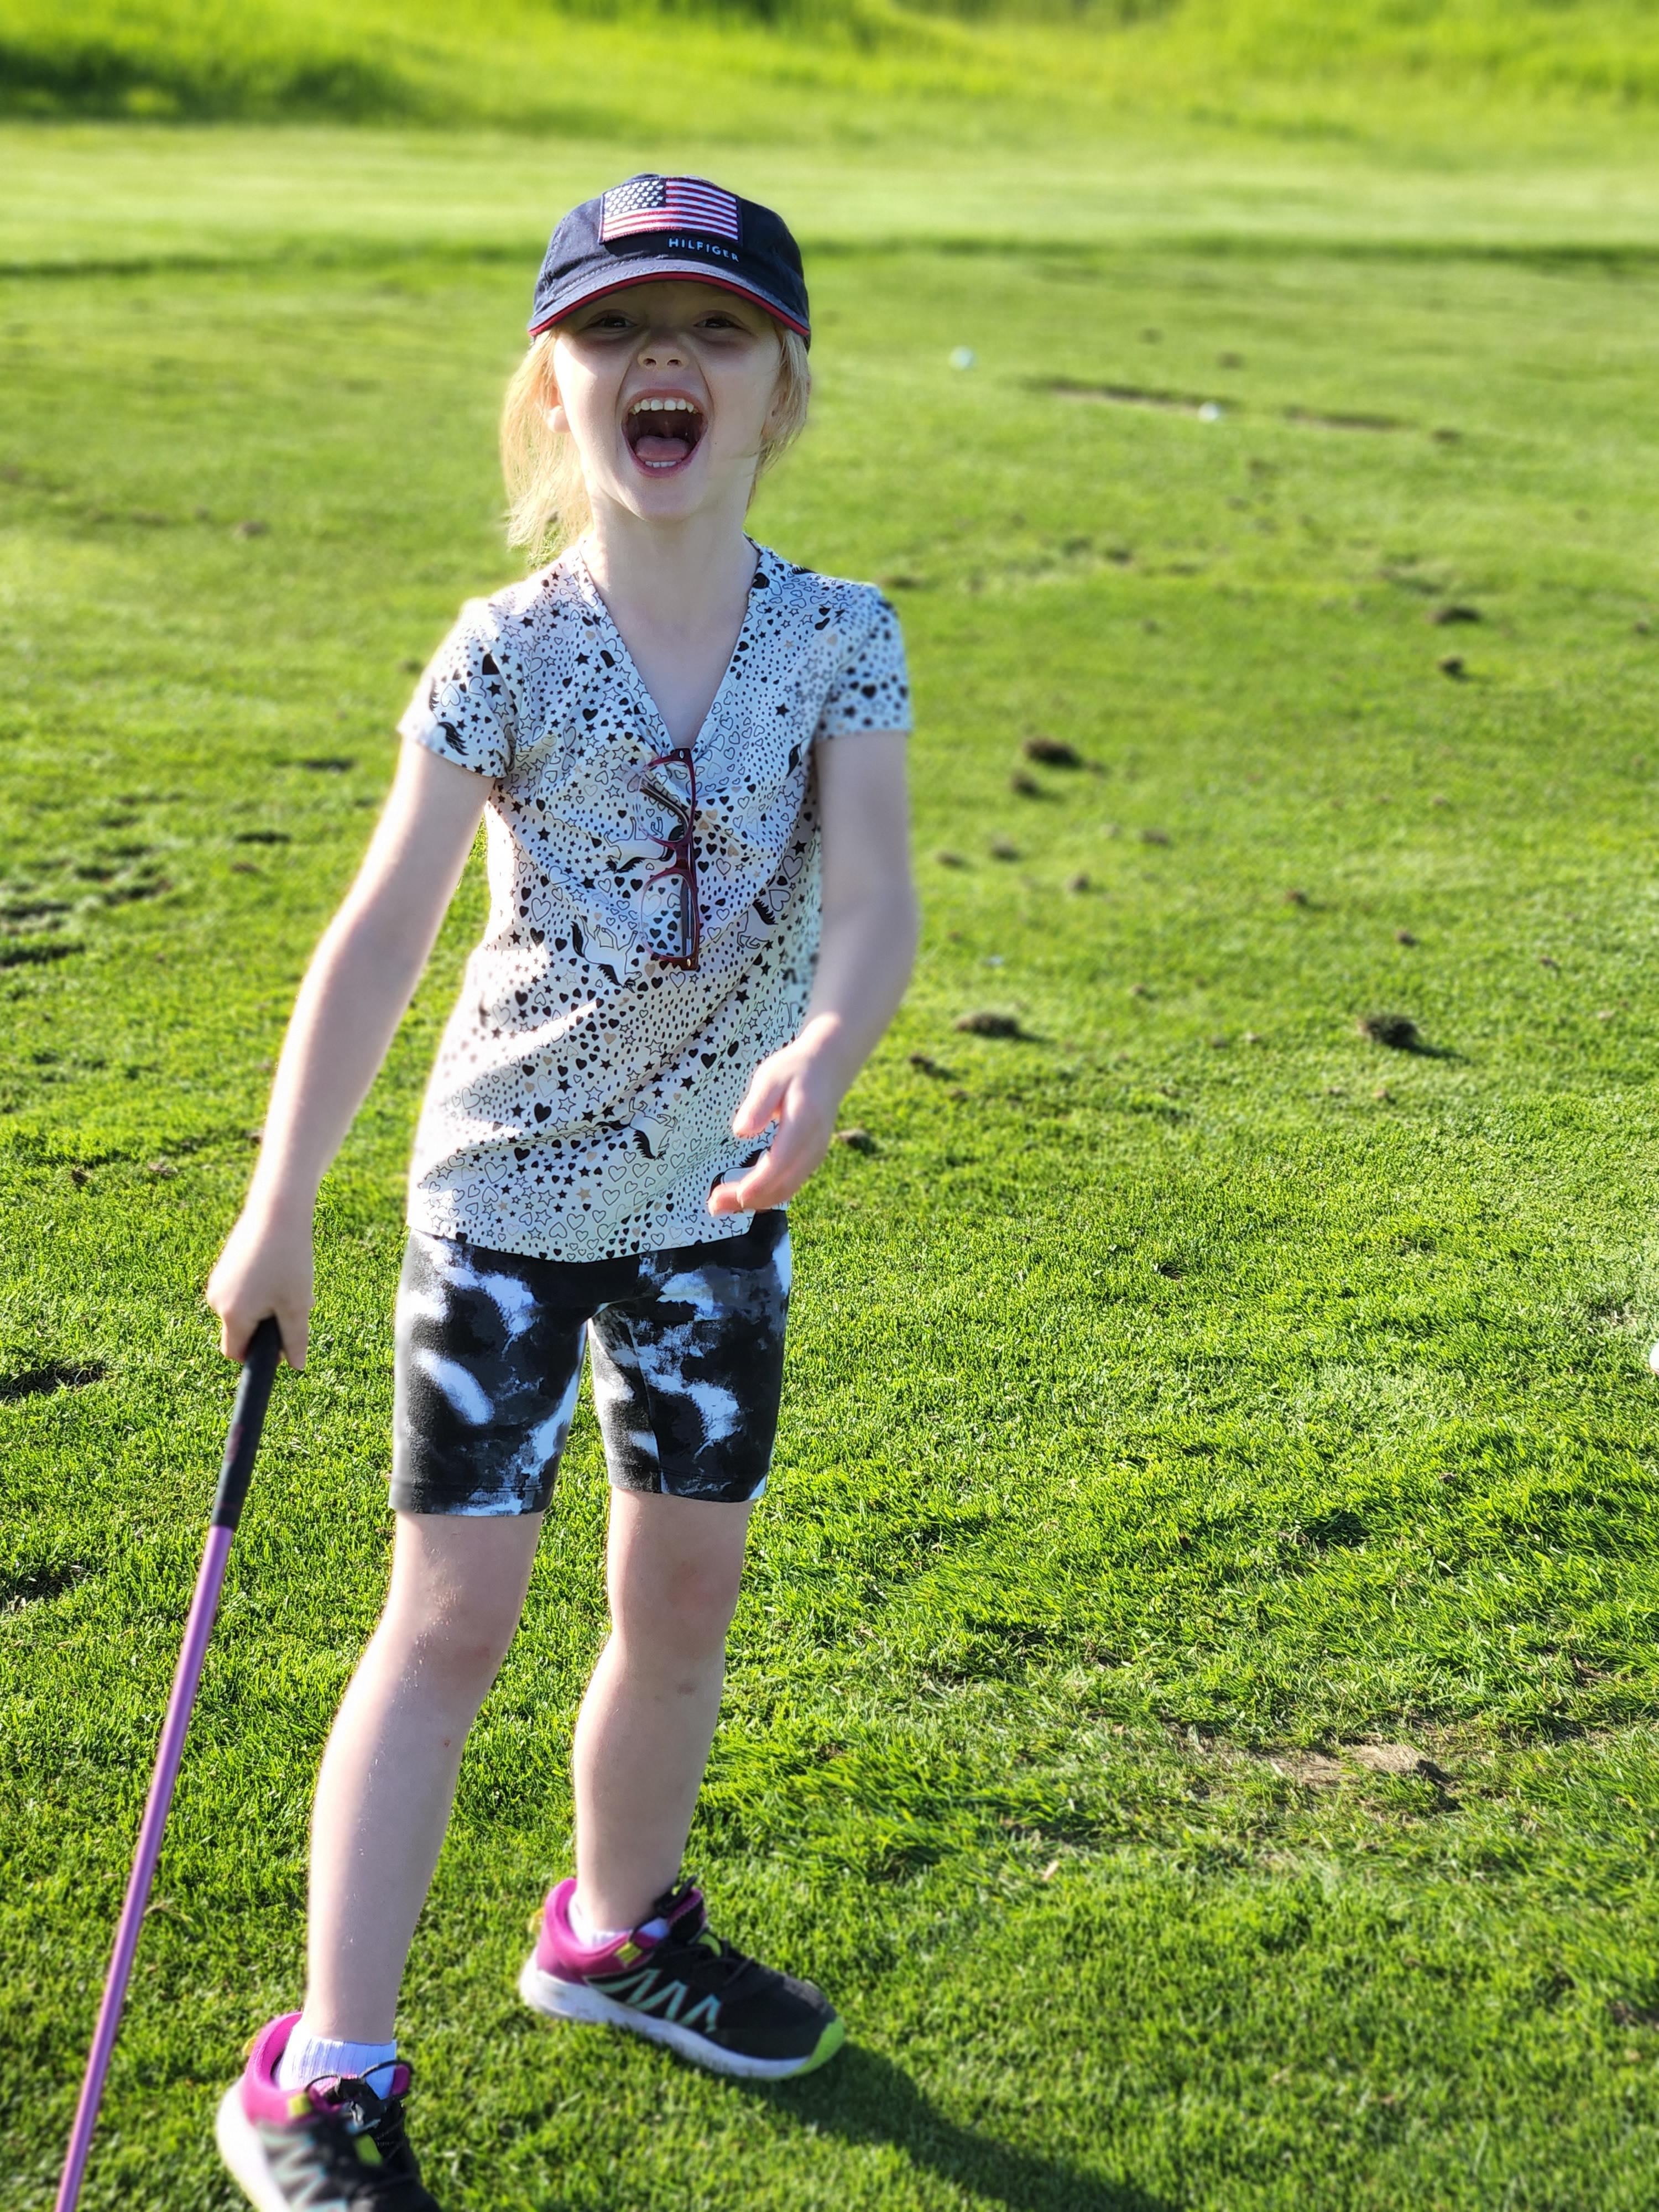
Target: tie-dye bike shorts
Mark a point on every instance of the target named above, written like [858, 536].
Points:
[687, 1348]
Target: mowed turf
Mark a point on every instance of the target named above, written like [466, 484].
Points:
[1194, 1699]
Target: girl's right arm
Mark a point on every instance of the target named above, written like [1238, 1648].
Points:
[360, 980]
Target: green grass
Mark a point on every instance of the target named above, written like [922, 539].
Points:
[1186, 1397]
[847, 70]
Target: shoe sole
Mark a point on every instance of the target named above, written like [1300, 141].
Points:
[546, 1993]
[245, 2154]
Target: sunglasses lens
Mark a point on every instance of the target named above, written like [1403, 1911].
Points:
[668, 914]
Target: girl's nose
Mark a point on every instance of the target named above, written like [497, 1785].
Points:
[659, 348]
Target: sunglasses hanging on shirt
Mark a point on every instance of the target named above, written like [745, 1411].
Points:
[669, 781]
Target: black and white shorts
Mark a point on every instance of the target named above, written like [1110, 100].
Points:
[688, 1370]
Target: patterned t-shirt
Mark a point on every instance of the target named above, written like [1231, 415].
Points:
[581, 1105]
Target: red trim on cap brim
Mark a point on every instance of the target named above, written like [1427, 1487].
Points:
[676, 276]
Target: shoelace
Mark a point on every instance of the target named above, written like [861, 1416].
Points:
[720, 1961]
[741, 1970]
[363, 2111]
[737, 1970]
[388, 2133]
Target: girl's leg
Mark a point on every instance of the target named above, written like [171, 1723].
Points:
[388, 1775]
[647, 1720]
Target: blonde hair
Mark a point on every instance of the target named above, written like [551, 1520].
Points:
[547, 501]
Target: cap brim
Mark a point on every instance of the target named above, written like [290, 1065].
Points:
[654, 269]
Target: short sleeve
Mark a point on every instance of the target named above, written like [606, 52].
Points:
[463, 706]
[870, 690]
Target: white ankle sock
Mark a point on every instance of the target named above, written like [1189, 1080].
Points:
[586, 1934]
[310, 2058]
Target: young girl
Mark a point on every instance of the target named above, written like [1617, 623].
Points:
[689, 755]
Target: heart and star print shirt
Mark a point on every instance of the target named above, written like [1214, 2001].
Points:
[581, 1105]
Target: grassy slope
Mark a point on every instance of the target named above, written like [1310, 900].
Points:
[1165, 1404]
[783, 67]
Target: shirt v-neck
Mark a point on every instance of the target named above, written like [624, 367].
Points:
[592, 590]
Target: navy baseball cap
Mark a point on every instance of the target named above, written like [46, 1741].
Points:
[671, 226]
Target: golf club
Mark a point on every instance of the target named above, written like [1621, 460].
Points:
[252, 1395]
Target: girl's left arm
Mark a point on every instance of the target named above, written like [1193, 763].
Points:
[866, 951]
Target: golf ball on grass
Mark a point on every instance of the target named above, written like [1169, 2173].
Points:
[1653, 1357]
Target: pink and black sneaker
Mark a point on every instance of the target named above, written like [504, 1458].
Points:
[684, 1987]
[331, 2147]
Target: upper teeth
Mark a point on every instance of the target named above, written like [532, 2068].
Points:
[658, 406]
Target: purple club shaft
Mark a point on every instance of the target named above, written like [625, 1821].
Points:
[198, 1629]
[265, 1349]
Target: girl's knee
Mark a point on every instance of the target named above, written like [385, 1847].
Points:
[686, 1611]
[460, 1644]
[458, 1588]
[673, 1570]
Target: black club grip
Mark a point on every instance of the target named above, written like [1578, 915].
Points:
[248, 1418]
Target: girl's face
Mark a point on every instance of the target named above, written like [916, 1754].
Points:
[666, 388]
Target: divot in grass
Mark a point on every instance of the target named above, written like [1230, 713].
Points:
[1052, 752]
[45, 1381]
[1399, 1032]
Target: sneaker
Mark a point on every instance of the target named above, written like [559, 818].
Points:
[683, 1987]
[332, 2146]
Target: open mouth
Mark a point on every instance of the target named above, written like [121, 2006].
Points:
[664, 433]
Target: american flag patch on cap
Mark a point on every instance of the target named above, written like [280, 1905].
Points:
[668, 203]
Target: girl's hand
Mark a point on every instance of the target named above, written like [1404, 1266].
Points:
[264, 1269]
[795, 1088]
[868, 940]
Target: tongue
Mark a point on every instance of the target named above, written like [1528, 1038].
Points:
[652, 448]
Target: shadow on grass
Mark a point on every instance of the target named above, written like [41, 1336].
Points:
[865, 2098]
